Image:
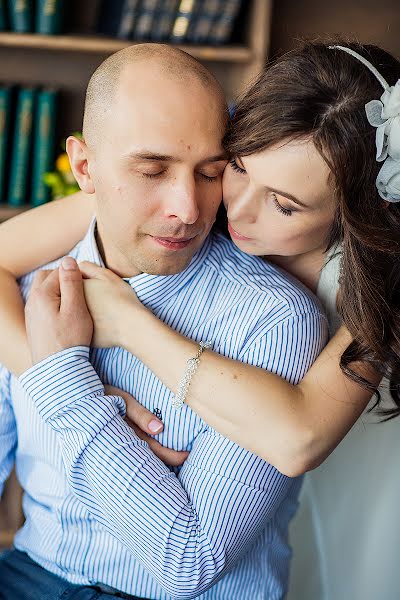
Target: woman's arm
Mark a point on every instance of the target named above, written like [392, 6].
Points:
[294, 427]
[27, 241]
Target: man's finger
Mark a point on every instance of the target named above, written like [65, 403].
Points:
[90, 270]
[137, 413]
[71, 285]
[51, 284]
[172, 458]
[40, 278]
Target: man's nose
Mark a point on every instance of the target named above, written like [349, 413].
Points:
[243, 207]
[183, 203]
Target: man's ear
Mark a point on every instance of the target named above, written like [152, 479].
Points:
[78, 157]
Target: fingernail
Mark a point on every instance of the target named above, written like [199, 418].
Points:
[68, 263]
[155, 426]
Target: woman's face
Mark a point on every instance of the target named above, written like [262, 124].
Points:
[279, 201]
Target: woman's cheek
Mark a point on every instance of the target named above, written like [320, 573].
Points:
[232, 186]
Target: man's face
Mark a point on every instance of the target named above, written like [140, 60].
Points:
[157, 173]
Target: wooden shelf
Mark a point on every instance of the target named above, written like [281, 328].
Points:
[100, 45]
[6, 212]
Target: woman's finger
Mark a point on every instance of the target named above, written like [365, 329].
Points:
[138, 414]
[92, 271]
[171, 458]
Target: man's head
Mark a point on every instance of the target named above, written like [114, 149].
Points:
[152, 153]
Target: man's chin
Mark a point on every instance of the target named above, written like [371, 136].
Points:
[167, 267]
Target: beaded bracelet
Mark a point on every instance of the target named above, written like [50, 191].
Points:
[179, 398]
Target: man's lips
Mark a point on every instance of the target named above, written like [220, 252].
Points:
[236, 235]
[173, 243]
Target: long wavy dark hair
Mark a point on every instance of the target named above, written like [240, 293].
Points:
[320, 94]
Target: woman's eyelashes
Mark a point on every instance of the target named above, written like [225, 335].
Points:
[236, 167]
[284, 211]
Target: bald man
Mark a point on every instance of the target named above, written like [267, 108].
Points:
[104, 516]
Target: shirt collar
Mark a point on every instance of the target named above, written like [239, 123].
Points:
[152, 290]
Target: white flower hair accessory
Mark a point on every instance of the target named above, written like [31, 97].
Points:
[384, 114]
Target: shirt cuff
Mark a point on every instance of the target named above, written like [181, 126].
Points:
[58, 381]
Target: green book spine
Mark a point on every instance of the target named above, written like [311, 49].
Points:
[43, 144]
[3, 18]
[21, 12]
[5, 107]
[21, 147]
[49, 16]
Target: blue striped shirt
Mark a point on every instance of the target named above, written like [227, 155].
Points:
[99, 506]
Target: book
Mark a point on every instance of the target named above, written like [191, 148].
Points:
[21, 15]
[145, 19]
[43, 144]
[3, 15]
[164, 20]
[5, 117]
[21, 147]
[223, 25]
[110, 17]
[182, 21]
[203, 19]
[49, 16]
[128, 19]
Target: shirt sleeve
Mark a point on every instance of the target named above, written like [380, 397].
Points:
[186, 530]
[8, 429]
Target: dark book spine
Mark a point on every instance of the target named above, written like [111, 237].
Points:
[203, 20]
[110, 17]
[21, 147]
[145, 19]
[182, 21]
[222, 28]
[43, 144]
[21, 15]
[128, 19]
[49, 16]
[163, 23]
[5, 109]
[3, 15]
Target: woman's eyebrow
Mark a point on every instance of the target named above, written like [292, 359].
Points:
[288, 196]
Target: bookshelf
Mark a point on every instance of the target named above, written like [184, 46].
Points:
[67, 61]
[97, 45]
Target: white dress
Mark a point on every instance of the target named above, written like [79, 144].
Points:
[346, 535]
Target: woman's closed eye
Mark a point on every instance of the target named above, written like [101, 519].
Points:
[287, 212]
[236, 167]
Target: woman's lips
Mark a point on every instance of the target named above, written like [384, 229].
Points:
[236, 235]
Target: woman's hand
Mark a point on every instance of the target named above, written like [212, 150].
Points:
[107, 297]
[146, 424]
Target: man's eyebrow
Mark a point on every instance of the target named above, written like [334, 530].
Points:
[288, 196]
[147, 155]
[217, 158]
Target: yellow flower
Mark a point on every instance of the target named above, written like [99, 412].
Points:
[62, 163]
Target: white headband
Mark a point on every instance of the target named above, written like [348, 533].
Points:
[384, 114]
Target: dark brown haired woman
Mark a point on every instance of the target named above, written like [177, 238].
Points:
[313, 186]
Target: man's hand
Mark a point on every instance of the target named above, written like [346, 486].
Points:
[107, 297]
[56, 313]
